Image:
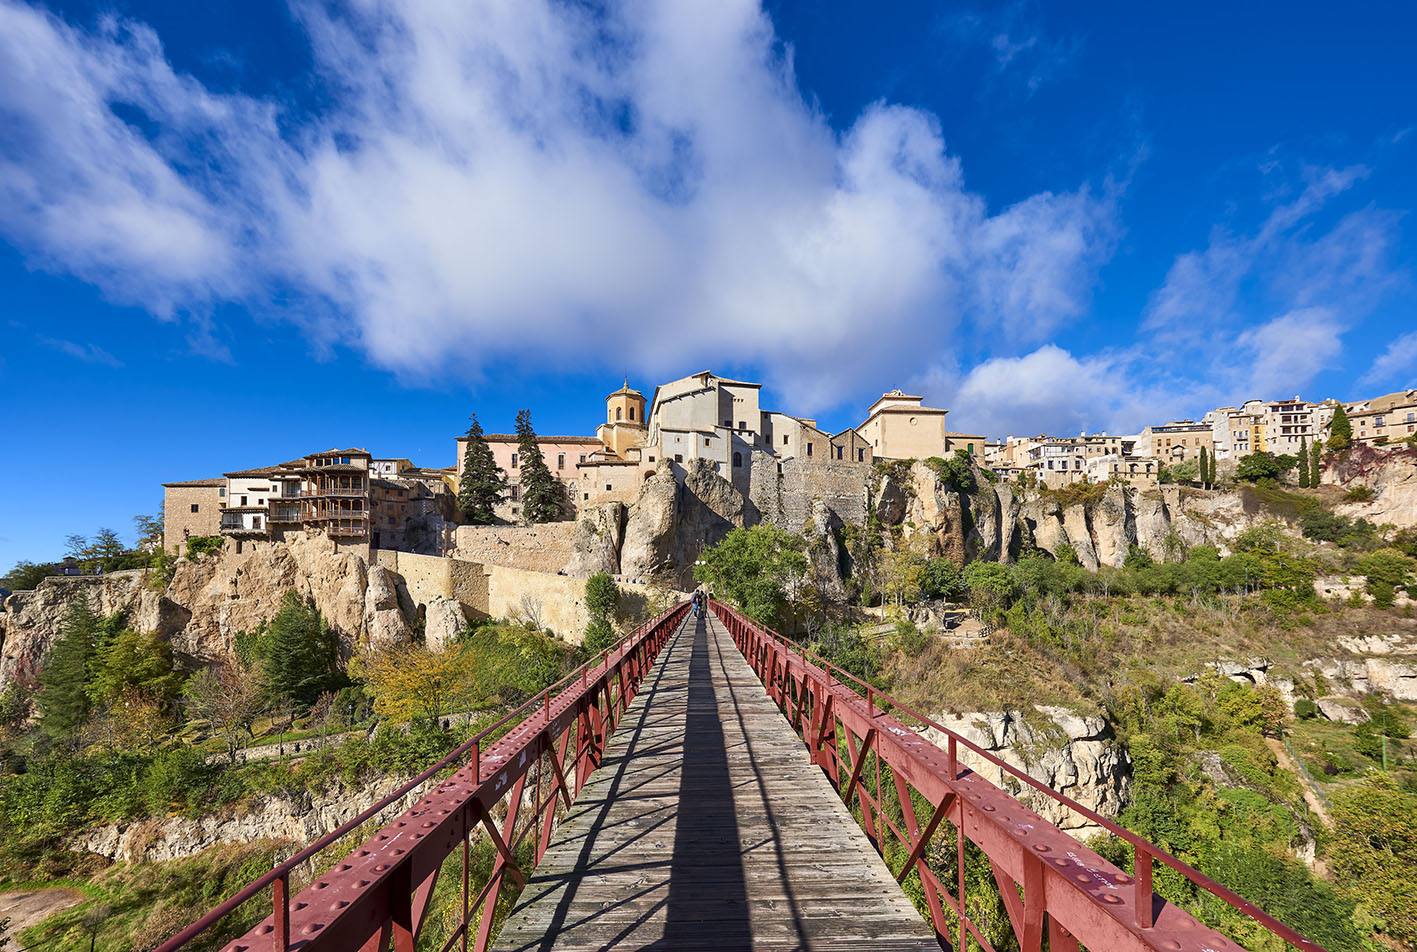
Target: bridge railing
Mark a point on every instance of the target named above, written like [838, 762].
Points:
[1068, 889]
[380, 893]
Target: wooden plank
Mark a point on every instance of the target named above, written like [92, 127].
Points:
[707, 827]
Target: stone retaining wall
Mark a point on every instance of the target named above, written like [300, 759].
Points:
[540, 548]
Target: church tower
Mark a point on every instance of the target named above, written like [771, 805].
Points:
[624, 424]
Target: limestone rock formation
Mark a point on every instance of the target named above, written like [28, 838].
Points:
[669, 526]
[649, 547]
[443, 620]
[301, 820]
[824, 551]
[1072, 753]
[211, 598]
[595, 547]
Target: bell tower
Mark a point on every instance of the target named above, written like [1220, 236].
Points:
[624, 425]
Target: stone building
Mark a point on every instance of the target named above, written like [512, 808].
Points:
[1175, 442]
[564, 456]
[898, 426]
[191, 508]
[1384, 419]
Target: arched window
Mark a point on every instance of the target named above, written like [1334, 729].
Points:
[618, 413]
[632, 414]
[737, 460]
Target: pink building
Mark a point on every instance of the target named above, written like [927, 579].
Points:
[563, 455]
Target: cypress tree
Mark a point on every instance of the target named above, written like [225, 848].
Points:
[1304, 480]
[1211, 478]
[1205, 468]
[1315, 463]
[482, 483]
[63, 702]
[1340, 430]
[541, 492]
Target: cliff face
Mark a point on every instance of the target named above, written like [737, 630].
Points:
[209, 599]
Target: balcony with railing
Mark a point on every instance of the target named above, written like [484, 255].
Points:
[232, 523]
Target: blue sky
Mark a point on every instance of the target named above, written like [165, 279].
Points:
[237, 233]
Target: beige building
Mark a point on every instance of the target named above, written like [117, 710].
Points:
[972, 443]
[625, 426]
[1384, 419]
[1175, 442]
[898, 426]
[191, 508]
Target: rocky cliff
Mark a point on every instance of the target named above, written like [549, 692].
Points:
[1075, 755]
[209, 599]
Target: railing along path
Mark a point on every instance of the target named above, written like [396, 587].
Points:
[379, 894]
[852, 732]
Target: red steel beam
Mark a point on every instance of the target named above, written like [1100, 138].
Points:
[1085, 898]
[367, 898]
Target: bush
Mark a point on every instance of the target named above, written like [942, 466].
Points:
[957, 472]
[990, 584]
[201, 545]
[942, 580]
[1359, 494]
[1305, 709]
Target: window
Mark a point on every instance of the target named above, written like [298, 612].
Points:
[742, 424]
[243, 500]
[344, 460]
[256, 522]
[809, 449]
[516, 494]
[618, 413]
[678, 457]
[514, 461]
[839, 451]
[785, 438]
[582, 457]
[737, 461]
[707, 442]
[632, 414]
[860, 456]
[1412, 418]
[514, 510]
[1377, 421]
[560, 460]
[221, 493]
[194, 507]
[971, 448]
[651, 459]
[587, 496]
[728, 423]
[607, 487]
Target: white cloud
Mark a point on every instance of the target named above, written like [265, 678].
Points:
[88, 353]
[1285, 354]
[1052, 391]
[506, 180]
[1396, 366]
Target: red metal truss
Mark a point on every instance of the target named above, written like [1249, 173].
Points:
[1069, 891]
[379, 894]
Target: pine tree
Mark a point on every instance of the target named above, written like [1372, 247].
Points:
[541, 492]
[1205, 468]
[1315, 463]
[63, 703]
[1340, 430]
[1304, 480]
[482, 483]
[299, 654]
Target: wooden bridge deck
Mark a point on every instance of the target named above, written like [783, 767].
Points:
[706, 827]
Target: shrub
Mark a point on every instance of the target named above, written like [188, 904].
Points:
[1359, 494]
[1305, 709]
[201, 545]
[957, 472]
[990, 584]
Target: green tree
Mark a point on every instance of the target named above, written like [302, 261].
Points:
[602, 602]
[150, 530]
[753, 568]
[956, 472]
[1257, 466]
[133, 661]
[298, 654]
[1304, 480]
[25, 576]
[942, 579]
[543, 498]
[1374, 850]
[1340, 430]
[63, 702]
[482, 483]
[1205, 468]
[990, 584]
[1315, 461]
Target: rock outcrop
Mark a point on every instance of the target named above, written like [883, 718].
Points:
[595, 547]
[1390, 472]
[301, 820]
[1074, 754]
[670, 525]
[209, 599]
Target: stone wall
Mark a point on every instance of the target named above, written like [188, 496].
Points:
[838, 483]
[540, 548]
